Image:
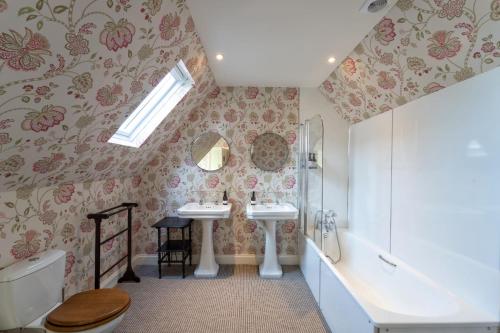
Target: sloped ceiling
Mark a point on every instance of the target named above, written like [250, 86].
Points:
[279, 43]
[71, 72]
[420, 47]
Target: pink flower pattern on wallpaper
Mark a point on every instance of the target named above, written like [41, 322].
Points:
[444, 45]
[117, 35]
[212, 181]
[349, 66]
[27, 245]
[385, 31]
[63, 193]
[48, 164]
[23, 53]
[169, 25]
[41, 121]
[251, 182]
[182, 182]
[419, 47]
[70, 261]
[68, 83]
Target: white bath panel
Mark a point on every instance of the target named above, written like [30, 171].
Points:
[310, 265]
[439, 330]
[340, 310]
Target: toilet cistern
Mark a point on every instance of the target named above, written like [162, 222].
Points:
[31, 299]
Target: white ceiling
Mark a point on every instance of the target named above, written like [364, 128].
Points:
[279, 42]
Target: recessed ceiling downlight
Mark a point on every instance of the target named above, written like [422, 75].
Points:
[373, 6]
[219, 56]
[331, 60]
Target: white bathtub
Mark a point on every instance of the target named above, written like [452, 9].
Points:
[365, 294]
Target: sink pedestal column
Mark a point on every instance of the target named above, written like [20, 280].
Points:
[270, 268]
[207, 266]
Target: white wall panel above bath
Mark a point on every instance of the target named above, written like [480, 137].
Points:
[370, 179]
[446, 188]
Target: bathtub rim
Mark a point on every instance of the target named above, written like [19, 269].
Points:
[466, 316]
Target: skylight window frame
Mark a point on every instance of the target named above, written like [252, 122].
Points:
[155, 107]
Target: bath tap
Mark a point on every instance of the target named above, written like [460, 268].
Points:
[327, 220]
[329, 223]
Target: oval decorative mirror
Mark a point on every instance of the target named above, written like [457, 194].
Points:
[269, 152]
[210, 151]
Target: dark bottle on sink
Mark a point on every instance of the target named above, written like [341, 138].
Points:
[224, 198]
[253, 201]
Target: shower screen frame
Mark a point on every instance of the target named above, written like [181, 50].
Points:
[308, 139]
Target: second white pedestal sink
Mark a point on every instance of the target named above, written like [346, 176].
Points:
[206, 213]
[268, 214]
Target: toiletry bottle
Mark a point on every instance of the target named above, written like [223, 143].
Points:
[253, 201]
[224, 198]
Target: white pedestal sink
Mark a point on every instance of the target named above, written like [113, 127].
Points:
[206, 213]
[269, 214]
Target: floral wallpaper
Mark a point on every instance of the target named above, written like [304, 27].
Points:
[171, 178]
[420, 47]
[70, 73]
[33, 220]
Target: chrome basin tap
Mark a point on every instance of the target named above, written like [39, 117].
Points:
[208, 196]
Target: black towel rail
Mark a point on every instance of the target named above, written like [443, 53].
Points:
[129, 275]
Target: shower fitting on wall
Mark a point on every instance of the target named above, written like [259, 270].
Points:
[330, 224]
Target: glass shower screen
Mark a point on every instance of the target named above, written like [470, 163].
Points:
[311, 179]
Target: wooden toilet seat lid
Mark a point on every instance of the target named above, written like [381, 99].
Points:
[89, 308]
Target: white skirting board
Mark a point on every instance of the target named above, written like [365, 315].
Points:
[241, 259]
[152, 259]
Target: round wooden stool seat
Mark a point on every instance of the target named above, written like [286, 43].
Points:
[87, 310]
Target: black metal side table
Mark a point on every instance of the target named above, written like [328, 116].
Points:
[167, 249]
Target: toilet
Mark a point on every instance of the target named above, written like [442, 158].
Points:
[31, 294]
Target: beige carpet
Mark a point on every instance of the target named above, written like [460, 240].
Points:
[238, 300]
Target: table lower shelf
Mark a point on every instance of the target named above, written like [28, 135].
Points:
[175, 246]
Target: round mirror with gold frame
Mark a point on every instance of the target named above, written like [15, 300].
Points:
[269, 152]
[210, 151]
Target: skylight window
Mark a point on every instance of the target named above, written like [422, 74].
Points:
[154, 108]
